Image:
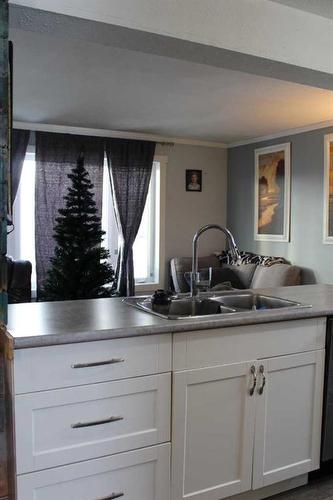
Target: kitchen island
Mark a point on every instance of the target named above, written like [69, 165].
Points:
[91, 401]
[50, 323]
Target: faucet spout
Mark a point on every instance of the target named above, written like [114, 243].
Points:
[203, 229]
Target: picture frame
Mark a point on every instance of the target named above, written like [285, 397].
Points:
[193, 180]
[272, 193]
[328, 190]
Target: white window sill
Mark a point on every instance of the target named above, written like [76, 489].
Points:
[146, 287]
[140, 288]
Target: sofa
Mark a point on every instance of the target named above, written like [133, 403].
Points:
[253, 272]
[18, 280]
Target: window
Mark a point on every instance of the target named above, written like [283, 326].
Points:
[21, 242]
[146, 250]
[146, 246]
[147, 243]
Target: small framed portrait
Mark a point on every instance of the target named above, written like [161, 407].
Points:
[193, 180]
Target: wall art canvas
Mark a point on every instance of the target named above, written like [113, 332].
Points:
[328, 189]
[272, 193]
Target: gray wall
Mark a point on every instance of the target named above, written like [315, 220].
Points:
[306, 247]
[187, 211]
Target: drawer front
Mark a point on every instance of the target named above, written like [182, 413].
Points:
[45, 368]
[239, 343]
[70, 425]
[142, 474]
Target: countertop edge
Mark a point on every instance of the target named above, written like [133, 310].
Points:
[168, 326]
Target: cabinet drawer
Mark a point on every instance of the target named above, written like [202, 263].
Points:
[239, 343]
[69, 365]
[142, 474]
[70, 425]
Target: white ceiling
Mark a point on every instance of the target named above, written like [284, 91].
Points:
[69, 82]
[322, 8]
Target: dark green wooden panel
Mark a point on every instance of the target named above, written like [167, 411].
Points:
[4, 157]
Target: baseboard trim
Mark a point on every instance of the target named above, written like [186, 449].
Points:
[268, 491]
[274, 489]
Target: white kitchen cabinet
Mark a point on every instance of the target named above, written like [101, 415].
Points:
[134, 475]
[70, 365]
[223, 346]
[92, 420]
[79, 423]
[288, 417]
[213, 432]
[227, 441]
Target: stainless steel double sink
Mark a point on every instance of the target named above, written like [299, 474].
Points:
[208, 305]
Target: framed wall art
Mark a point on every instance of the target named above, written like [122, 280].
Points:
[193, 180]
[272, 193]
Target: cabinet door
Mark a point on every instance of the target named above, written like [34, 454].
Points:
[213, 432]
[288, 417]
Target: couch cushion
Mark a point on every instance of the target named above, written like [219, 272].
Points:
[244, 272]
[277, 275]
[221, 287]
[220, 275]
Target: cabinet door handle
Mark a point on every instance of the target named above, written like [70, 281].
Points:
[112, 361]
[263, 379]
[109, 420]
[113, 496]
[254, 377]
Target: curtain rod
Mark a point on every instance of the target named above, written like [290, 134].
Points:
[164, 141]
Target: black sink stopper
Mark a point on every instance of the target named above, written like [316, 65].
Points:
[161, 300]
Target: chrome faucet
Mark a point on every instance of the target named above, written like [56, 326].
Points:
[203, 229]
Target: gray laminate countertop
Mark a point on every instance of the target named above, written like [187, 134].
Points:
[51, 323]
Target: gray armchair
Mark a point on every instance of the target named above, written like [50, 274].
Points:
[18, 280]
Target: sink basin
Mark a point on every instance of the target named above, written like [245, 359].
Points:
[197, 307]
[183, 307]
[211, 305]
[254, 302]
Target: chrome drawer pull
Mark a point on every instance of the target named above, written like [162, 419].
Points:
[254, 376]
[109, 420]
[113, 496]
[112, 361]
[263, 383]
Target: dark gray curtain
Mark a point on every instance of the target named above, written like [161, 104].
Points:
[56, 155]
[20, 140]
[130, 164]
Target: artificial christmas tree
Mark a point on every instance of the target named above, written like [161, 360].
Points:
[79, 268]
